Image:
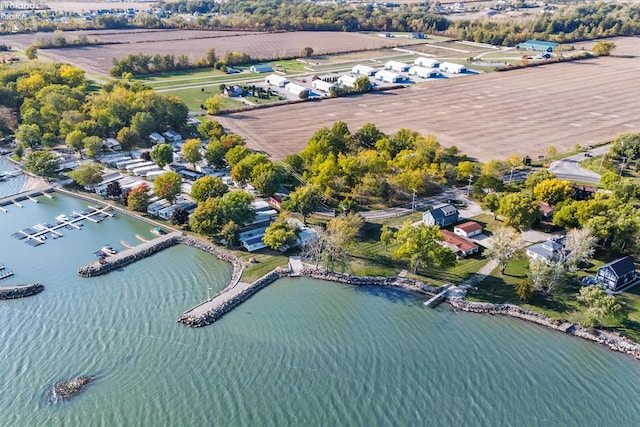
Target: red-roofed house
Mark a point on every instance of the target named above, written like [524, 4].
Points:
[467, 229]
[458, 244]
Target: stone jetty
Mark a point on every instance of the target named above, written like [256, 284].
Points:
[20, 291]
[65, 390]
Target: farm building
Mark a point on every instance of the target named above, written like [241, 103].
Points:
[276, 80]
[156, 138]
[423, 72]
[442, 215]
[449, 67]
[400, 67]
[617, 274]
[427, 62]
[347, 80]
[296, 89]
[264, 68]
[468, 229]
[323, 86]
[363, 70]
[389, 77]
[538, 45]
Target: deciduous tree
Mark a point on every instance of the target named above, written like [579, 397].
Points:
[88, 174]
[167, 185]
[114, 190]
[600, 306]
[138, 198]
[206, 187]
[546, 275]
[191, 151]
[281, 233]
[553, 191]
[518, 210]
[162, 154]
[420, 247]
[507, 243]
[214, 154]
[42, 163]
[304, 200]
[179, 217]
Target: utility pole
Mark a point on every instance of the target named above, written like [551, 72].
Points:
[624, 161]
[469, 187]
[413, 201]
[602, 161]
[511, 174]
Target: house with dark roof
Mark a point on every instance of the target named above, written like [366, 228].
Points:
[617, 274]
[583, 192]
[461, 246]
[549, 250]
[468, 229]
[442, 215]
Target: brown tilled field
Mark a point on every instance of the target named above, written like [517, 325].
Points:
[488, 116]
[194, 44]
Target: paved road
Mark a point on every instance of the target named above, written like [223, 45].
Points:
[569, 168]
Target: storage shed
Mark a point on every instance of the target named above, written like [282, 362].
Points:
[262, 68]
[347, 80]
[400, 67]
[296, 89]
[427, 62]
[323, 86]
[450, 67]
[276, 80]
[423, 72]
[389, 77]
[363, 70]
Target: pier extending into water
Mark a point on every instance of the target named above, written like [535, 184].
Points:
[20, 197]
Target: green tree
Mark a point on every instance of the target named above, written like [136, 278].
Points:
[546, 275]
[304, 200]
[236, 154]
[206, 219]
[214, 154]
[206, 187]
[387, 235]
[464, 170]
[525, 289]
[31, 52]
[362, 84]
[491, 202]
[609, 180]
[191, 151]
[553, 191]
[213, 105]
[128, 138]
[211, 129]
[420, 247]
[75, 139]
[600, 306]
[231, 233]
[281, 233]
[138, 198]
[626, 145]
[88, 174]
[167, 185]
[236, 206]
[42, 163]
[162, 154]
[93, 145]
[368, 135]
[518, 210]
[30, 135]
[537, 177]
[507, 244]
[267, 178]
[603, 48]
[494, 168]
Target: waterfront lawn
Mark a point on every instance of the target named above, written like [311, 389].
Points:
[267, 259]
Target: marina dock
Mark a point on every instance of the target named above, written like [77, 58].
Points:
[27, 195]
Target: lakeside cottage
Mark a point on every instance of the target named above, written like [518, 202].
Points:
[461, 246]
[617, 274]
[549, 250]
[443, 215]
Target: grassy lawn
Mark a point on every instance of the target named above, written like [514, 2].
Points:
[267, 260]
[194, 97]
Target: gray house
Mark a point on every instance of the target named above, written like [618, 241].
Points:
[549, 250]
[442, 215]
[617, 274]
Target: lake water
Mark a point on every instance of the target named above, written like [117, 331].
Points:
[300, 352]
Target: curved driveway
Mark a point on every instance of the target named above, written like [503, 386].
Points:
[569, 167]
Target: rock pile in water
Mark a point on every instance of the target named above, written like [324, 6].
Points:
[65, 390]
[20, 291]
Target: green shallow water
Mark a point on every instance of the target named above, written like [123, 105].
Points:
[300, 352]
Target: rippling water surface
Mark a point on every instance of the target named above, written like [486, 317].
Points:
[300, 352]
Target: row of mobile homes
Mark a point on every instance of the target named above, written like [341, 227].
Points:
[389, 77]
[276, 80]
[152, 175]
[112, 160]
[172, 136]
[399, 67]
[146, 169]
[168, 211]
[124, 163]
[190, 175]
[156, 138]
[347, 80]
[157, 206]
[363, 70]
[111, 144]
[423, 72]
[449, 67]
[131, 166]
[427, 62]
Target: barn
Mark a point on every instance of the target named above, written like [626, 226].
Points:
[363, 70]
[276, 80]
[450, 67]
[538, 45]
[347, 80]
[323, 86]
[389, 77]
[296, 89]
[262, 68]
[427, 62]
[423, 72]
[400, 67]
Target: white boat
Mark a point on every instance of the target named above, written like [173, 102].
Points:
[108, 250]
[62, 218]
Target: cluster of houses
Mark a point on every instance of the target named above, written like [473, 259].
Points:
[613, 276]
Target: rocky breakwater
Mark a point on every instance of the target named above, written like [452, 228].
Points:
[393, 281]
[65, 390]
[612, 341]
[210, 311]
[20, 291]
[129, 256]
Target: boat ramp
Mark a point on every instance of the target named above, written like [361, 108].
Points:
[37, 234]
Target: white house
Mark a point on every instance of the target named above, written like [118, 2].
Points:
[347, 80]
[296, 89]
[276, 80]
[262, 68]
[305, 235]
[363, 70]
[323, 86]
[427, 62]
[450, 67]
[389, 77]
[423, 72]
[397, 66]
[156, 138]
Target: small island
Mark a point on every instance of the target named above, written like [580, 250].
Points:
[65, 390]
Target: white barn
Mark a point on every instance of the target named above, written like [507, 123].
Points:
[400, 67]
[389, 77]
[263, 68]
[296, 89]
[423, 72]
[323, 86]
[276, 80]
[347, 80]
[449, 67]
[363, 70]
[427, 62]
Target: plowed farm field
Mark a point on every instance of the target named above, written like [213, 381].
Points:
[487, 116]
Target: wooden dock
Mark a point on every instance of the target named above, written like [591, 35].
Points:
[438, 297]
